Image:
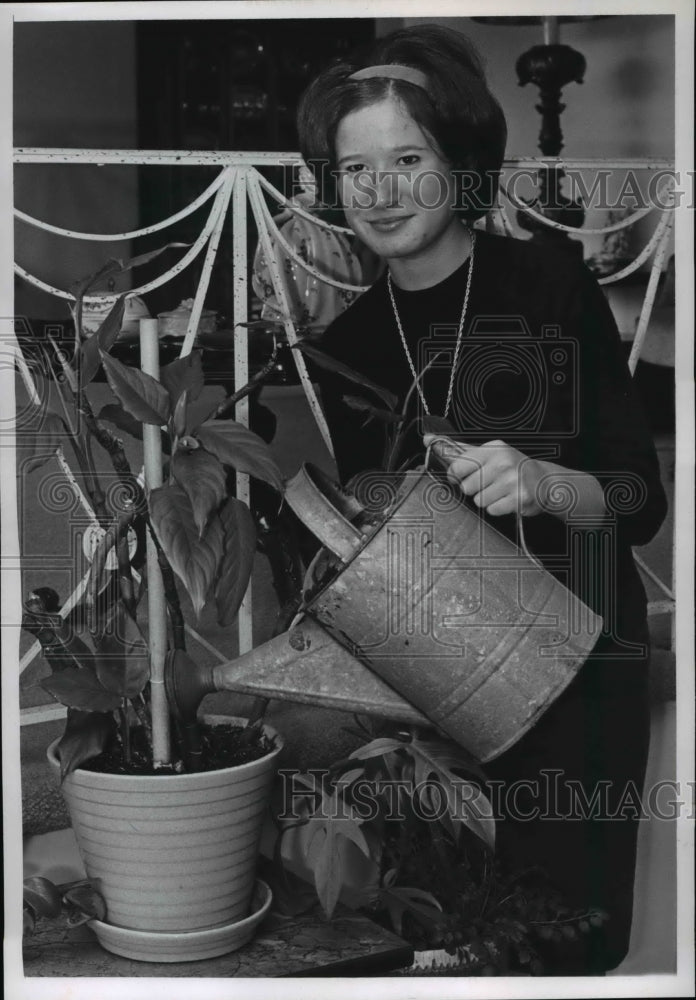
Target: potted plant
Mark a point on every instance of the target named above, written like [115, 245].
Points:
[403, 830]
[167, 812]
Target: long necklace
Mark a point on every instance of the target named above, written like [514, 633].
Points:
[416, 377]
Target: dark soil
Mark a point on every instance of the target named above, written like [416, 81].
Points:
[222, 745]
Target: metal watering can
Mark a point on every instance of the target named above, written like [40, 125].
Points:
[427, 615]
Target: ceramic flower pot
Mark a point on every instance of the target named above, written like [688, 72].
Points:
[173, 853]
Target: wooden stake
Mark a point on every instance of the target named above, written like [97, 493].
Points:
[156, 604]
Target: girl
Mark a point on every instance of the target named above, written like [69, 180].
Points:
[524, 361]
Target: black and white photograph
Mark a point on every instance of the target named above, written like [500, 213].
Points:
[348, 499]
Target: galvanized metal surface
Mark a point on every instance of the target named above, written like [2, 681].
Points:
[315, 509]
[445, 609]
[304, 665]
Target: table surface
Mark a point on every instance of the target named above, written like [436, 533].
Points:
[306, 945]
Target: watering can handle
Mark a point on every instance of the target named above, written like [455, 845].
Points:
[306, 495]
[443, 449]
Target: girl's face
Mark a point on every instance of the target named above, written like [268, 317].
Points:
[397, 191]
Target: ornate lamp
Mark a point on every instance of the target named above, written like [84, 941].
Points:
[550, 67]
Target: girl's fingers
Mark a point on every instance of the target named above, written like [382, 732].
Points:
[446, 451]
[472, 483]
[506, 505]
[492, 494]
[462, 468]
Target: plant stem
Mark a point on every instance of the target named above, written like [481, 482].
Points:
[125, 576]
[488, 878]
[404, 427]
[223, 408]
[125, 731]
[140, 709]
[112, 445]
[84, 455]
[565, 920]
[93, 485]
[96, 570]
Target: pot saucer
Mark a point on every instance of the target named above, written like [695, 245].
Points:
[185, 946]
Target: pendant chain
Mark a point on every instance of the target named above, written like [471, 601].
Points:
[460, 331]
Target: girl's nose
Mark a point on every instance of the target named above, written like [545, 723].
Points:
[388, 185]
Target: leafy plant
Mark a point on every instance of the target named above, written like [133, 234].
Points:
[415, 808]
[79, 901]
[389, 780]
[378, 405]
[205, 537]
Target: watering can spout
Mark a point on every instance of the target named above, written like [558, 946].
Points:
[304, 665]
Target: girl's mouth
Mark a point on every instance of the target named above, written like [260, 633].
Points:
[388, 225]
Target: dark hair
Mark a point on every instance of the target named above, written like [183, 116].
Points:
[458, 110]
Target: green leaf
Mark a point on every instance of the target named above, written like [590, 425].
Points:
[145, 258]
[102, 339]
[60, 642]
[291, 895]
[80, 287]
[141, 395]
[237, 560]
[466, 803]
[234, 444]
[433, 424]
[80, 689]
[122, 660]
[183, 373]
[332, 365]
[202, 478]
[377, 748]
[406, 899]
[115, 266]
[34, 449]
[88, 901]
[51, 400]
[363, 406]
[194, 560]
[330, 830]
[86, 735]
[179, 417]
[42, 896]
[116, 415]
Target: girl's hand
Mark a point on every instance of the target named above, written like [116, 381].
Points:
[502, 480]
[499, 478]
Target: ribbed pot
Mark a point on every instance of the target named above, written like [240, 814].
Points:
[171, 852]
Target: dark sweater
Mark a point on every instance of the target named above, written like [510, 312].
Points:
[541, 367]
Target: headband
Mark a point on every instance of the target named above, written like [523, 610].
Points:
[392, 71]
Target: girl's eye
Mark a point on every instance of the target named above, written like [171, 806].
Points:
[409, 159]
[354, 168]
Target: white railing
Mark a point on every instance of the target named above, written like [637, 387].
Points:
[239, 186]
